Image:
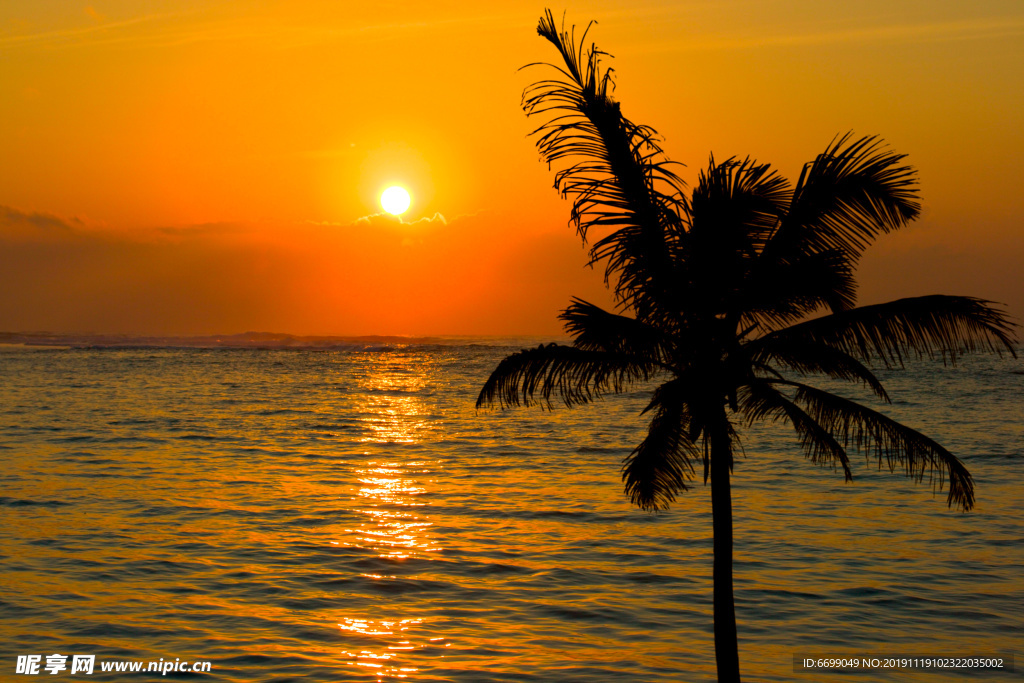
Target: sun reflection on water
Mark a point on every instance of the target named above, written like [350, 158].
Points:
[389, 639]
[390, 497]
[392, 533]
[395, 419]
[394, 411]
[395, 531]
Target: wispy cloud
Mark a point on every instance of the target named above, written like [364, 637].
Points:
[383, 219]
[202, 229]
[233, 29]
[962, 30]
[78, 33]
[436, 218]
[36, 226]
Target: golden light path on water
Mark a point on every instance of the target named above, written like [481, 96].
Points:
[390, 499]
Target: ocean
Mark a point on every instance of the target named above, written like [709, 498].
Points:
[346, 514]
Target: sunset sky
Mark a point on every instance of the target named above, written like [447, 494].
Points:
[215, 167]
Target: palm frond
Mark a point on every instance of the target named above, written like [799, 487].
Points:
[846, 197]
[575, 375]
[622, 182]
[810, 357]
[936, 325]
[779, 293]
[658, 468]
[736, 207]
[760, 401]
[889, 441]
[594, 329]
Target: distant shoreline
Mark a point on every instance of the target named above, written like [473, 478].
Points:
[250, 340]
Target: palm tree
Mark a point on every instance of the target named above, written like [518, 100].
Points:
[717, 295]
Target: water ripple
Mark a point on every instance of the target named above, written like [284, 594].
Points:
[346, 514]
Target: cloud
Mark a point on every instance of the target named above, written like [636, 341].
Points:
[384, 219]
[34, 226]
[75, 35]
[160, 29]
[389, 219]
[381, 275]
[969, 29]
[436, 218]
[202, 229]
[378, 219]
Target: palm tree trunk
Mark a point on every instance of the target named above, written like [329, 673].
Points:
[726, 647]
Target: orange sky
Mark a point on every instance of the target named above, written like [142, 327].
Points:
[202, 167]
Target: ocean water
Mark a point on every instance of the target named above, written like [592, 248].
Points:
[347, 515]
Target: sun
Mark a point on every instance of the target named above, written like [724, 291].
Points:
[395, 200]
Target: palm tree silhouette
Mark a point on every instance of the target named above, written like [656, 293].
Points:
[722, 287]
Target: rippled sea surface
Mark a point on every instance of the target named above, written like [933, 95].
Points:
[348, 515]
